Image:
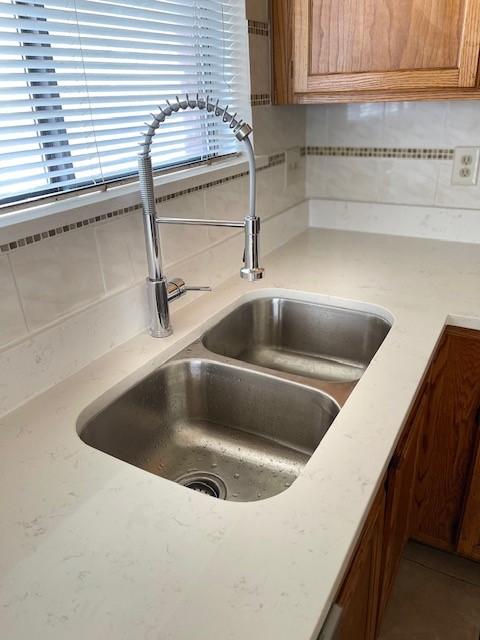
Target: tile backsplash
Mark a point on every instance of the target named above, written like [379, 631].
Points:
[395, 153]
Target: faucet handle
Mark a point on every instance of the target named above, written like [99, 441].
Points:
[195, 288]
[176, 287]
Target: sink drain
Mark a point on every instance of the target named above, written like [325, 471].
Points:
[204, 482]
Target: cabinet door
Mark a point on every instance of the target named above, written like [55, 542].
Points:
[469, 540]
[359, 45]
[399, 515]
[359, 595]
[448, 440]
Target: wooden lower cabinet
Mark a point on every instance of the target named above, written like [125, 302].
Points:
[448, 444]
[469, 538]
[432, 488]
[360, 594]
[399, 514]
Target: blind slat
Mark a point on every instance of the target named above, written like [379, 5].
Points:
[60, 29]
[90, 55]
[150, 21]
[113, 156]
[116, 167]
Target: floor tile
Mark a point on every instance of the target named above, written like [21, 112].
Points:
[452, 565]
[428, 605]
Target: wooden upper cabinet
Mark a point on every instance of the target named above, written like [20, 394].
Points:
[329, 47]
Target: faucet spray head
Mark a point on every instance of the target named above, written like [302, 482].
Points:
[251, 271]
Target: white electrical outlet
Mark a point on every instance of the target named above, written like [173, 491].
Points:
[465, 166]
[292, 165]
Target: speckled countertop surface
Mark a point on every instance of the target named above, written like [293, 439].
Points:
[92, 547]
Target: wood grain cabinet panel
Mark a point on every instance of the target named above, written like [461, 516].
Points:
[400, 516]
[416, 35]
[448, 440]
[375, 49]
[432, 489]
[360, 593]
[469, 539]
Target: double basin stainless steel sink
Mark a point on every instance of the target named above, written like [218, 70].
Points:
[238, 413]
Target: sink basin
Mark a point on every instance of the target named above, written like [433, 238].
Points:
[220, 429]
[306, 339]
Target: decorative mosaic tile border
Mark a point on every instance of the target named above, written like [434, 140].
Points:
[258, 28]
[380, 152]
[273, 161]
[260, 99]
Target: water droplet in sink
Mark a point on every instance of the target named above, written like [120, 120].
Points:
[234, 495]
[236, 475]
[259, 495]
[287, 484]
[214, 464]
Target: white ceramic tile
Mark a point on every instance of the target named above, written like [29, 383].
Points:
[415, 124]
[264, 193]
[51, 355]
[459, 196]
[228, 201]
[296, 186]
[12, 322]
[276, 128]
[57, 276]
[117, 268]
[350, 178]
[317, 125]
[463, 123]
[355, 125]
[281, 228]
[455, 225]
[316, 177]
[280, 195]
[132, 227]
[407, 181]
[177, 241]
[286, 193]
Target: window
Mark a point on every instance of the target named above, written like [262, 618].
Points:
[80, 77]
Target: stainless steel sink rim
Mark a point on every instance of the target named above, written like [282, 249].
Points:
[329, 343]
[256, 441]
[288, 456]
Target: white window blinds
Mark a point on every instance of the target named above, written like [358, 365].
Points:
[79, 78]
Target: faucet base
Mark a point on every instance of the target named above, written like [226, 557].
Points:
[157, 293]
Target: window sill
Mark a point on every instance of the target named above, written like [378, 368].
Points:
[34, 219]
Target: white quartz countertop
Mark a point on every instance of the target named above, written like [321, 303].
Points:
[92, 547]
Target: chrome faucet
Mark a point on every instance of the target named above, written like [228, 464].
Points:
[160, 290]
